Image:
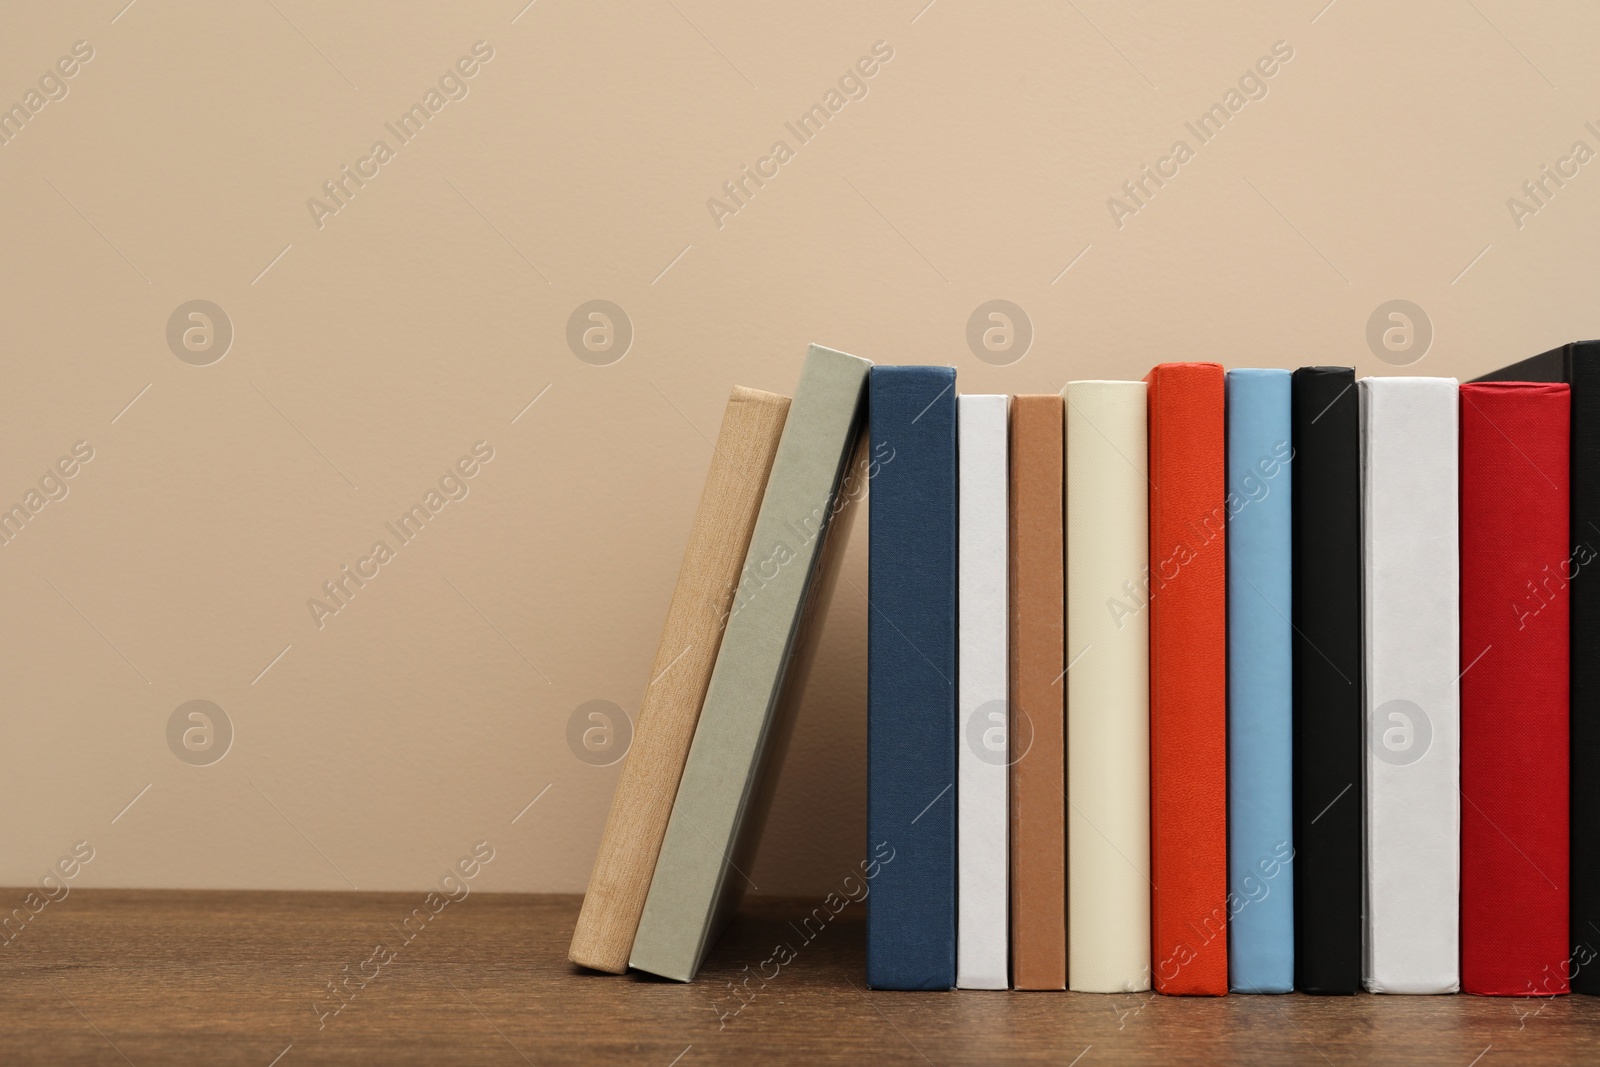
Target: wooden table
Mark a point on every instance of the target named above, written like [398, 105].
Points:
[155, 977]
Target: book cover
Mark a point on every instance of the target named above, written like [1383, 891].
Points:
[1038, 793]
[1514, 651]
[1188, 680]
[1328, 790]
[1108, 687]
[740, 461]
[1260, 683]
[759, 671]
[1411, 597]
[982, 751]
[1578, 364]
[911, 678]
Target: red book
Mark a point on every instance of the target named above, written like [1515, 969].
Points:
[1188, 680]
[1515, 566]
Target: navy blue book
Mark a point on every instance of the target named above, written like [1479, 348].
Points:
[911, 675]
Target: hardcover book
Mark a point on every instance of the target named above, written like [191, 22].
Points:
[1578, 364]
[1411, 595]
[1329, 883]
[1188, 680]
[738, 744]
[718, 540]
[1260, 683]
[1514, 651]
[1108, 688]
[911, 678]
[982, 751]
[1038, 831]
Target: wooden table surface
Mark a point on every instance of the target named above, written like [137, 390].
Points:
[156, 977]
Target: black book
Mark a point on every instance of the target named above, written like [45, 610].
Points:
[1578, 364]
[1328, 786]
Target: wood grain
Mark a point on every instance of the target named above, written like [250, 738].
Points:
[156, 977]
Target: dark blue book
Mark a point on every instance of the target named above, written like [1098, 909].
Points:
[911, 675]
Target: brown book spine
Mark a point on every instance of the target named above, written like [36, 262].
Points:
[1038, 788]
[752, 423]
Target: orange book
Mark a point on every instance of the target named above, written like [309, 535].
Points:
[1038, 630]
[1188, 680]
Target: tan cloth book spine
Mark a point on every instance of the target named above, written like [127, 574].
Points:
[1038, 794]
[737, 750]
[752, 425]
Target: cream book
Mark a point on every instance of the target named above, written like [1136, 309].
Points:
[1108, 687]
[752, 423]
[705, 861]
[1411, 596]
[982, 680]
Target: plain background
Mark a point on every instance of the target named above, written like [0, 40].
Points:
[372, 352]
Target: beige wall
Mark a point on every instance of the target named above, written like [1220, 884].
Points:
[428, 311]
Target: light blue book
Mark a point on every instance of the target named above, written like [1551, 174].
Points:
[1260, 684]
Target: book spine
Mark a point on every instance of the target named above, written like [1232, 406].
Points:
[1578, 364]
[1038, 833]
[1411, 596]
[1515, 561]
[1188, 680]
[981, 678]
[911, 678]
[701, 600]
[1328, 786]
[1260, 683]
[1585, 622]
[698, 878]
[1108, 687]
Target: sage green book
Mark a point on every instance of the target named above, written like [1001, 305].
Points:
[820, 470]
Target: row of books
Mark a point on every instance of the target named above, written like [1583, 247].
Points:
[1218, 681]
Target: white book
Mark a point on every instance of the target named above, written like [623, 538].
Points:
[1108, 687]
[1410, 575]
[982, 837]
